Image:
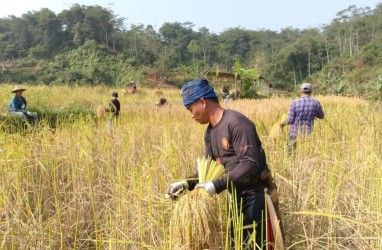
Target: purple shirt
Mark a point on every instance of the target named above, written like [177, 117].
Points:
[302, 113]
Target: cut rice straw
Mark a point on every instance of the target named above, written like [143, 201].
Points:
[209, 170]
[276, 130]
[196, 222]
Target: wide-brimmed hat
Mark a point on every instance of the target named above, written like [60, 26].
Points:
[17, 88]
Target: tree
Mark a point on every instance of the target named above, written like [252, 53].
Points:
[83, 23]
[208, 43]
[141, 45]
[101, 22]
[175, 38]
[312, 45]
[50, 28]
[16, 36]
[233, 46]
[194, 48]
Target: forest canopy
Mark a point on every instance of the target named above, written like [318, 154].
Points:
[91, 45]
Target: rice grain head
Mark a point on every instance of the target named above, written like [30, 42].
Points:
[276, 131]
[196, 222]
[100, 111]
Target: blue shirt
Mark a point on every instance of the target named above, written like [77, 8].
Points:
[302, 113]
[18, 104]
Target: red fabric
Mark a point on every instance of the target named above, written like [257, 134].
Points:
[270, 236]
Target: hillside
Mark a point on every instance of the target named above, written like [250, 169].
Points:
[342, 58]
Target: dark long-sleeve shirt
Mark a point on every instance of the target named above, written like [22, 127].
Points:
[115, 107]
[234, 143]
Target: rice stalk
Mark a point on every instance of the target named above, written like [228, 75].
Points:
[196, 221]
[235, 224]
[209, 170]
[129, 168]
[277, 131]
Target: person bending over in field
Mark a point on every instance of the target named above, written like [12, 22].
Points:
[161, 103]
[18, 105]
[302, 113]
[232, 140]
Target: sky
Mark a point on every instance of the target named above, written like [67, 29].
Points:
[216, 15]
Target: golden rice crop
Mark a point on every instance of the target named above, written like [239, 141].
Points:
[276, 130]
[74, 184]
[100, 110]
[196, 222]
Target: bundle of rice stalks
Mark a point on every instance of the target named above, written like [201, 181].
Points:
[196, 222]
[209, 170]
[100, 111]
[276, 130]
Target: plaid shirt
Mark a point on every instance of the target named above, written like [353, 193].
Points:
[302, 113]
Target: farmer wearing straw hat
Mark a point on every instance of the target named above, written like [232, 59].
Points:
[18, 105]
[231, 139]
[302, 113]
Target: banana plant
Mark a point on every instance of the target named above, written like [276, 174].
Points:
[248, 81]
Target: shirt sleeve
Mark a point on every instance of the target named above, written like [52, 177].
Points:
[12, 105]
[320, 112]
[291, 114]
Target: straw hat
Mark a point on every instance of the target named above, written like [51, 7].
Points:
[17, 89]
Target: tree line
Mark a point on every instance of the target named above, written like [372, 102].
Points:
[91, 43]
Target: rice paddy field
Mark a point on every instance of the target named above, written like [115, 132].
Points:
[80, 184]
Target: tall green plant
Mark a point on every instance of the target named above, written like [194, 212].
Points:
[248, 77]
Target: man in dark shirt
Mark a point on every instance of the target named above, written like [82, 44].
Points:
[232, 140]
[114, 104]
[114, 108]
[302, 113]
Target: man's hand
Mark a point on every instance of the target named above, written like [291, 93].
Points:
[207, 186]
[175, 189]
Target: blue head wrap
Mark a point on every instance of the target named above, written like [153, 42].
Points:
[195, 90]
